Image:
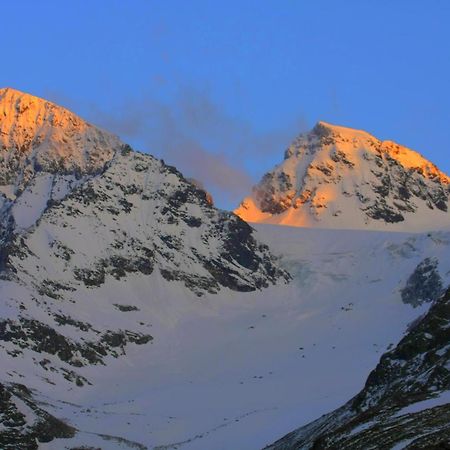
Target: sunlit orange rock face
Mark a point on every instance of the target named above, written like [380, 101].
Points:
[37, 135]
[336, 177]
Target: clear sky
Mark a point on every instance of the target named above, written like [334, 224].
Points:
[221, 88]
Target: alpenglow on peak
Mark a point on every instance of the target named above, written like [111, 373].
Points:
[37, 135]
[338, 177]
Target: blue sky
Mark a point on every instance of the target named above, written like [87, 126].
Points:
[220, 88]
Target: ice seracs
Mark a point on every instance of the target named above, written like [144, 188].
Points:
[337, 177]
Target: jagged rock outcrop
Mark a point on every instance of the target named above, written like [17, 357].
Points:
[424, 284]
[45, 152]
[23, 423]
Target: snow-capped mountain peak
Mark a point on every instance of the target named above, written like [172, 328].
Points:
[357, 139]
[45, 152]
[337, 177]
[37, 135]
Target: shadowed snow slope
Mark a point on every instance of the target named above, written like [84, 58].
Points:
[336, 177]
[231, 369]
[405, 402]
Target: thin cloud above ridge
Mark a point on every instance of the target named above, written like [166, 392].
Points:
[195, 134]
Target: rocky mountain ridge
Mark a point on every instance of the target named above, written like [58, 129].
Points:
[45, 148]
[336, 177]
[39, 136]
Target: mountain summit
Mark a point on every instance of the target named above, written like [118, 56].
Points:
[38, 135]
[337, 177]
[45, 152]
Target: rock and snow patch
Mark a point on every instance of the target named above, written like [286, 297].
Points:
[405, 401]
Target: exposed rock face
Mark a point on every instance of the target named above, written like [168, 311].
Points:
[336, 177]
[424, 284]
[138, 215]
[198, 184]
[23, 424]
[405, 399]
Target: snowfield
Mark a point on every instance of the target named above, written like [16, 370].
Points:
[239, 370]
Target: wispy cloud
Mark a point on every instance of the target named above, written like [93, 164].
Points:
[198, 137]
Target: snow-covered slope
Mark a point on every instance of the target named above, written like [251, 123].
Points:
[336, 177]
[138, 222]
[405, 402]
[234, 369]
